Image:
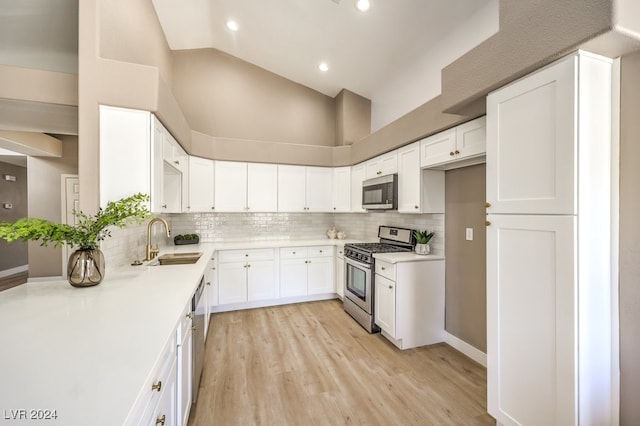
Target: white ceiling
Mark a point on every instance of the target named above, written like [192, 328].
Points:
[291, 37]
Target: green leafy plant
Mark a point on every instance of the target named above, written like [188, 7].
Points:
[423, 237]
[88, 231]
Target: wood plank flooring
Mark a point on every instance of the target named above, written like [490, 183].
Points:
[13, 280]
[311, 364]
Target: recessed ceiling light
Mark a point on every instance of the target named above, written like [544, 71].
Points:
[232, 25]
[323, 66]
[362, 5]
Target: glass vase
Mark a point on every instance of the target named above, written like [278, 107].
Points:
[85, 267]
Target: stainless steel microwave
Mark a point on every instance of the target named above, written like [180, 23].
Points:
[380, 193]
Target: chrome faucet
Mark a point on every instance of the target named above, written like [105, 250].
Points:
[152, 252]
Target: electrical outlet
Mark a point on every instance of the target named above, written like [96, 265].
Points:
[469, 234]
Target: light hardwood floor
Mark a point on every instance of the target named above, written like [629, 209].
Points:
[311, 364]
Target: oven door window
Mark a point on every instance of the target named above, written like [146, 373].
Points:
[357, 281]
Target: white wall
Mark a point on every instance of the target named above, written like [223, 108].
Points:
[420, 82]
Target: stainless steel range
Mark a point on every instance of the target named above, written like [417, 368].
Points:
[360, 272]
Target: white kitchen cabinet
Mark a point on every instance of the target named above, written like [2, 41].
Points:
[342, 189]
[201, 175]
[358, 175]
[549, 303]
[304, 189]
[306, 271]
[244, 187]
[460, 146]
[340, 271]
[262, 187]
[409, 301]
[385, 164]
[211, 288]
[246, 275]
[171, 174]
[419, 191]
[184, 397]
[165, 412]
[143, 169]
[230, 186]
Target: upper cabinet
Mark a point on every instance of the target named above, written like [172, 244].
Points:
[358, 175]
[386, 164]
[342, 189]
[144, 168]
[460, 146]
[242, 187]
[200, 185]
[305, 189]
[419, 191]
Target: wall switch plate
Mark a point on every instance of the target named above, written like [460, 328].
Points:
[7, 206]
[9, 178]
[469, 234]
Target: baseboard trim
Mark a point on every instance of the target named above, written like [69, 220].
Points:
[13, 271]
[43, 279]
[475, 354]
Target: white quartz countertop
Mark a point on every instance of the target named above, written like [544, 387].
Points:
[87, 352]
[406, 257]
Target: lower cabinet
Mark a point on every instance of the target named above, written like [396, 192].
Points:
[246, 275]
[185, 367]
[211, 291]
[409, 301]
[339, 271]
[306, 271]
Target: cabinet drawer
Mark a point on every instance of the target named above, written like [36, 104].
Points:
[293, 252]
[320, 251]
[387, 270]
[159, 380]
[240, 255]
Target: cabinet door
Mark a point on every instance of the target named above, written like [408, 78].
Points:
[200, 185]
[185, 359]
[320, 275]
[211, 282]
[531, 143]
[386, 164]
[260, 280]
[471, 138]
[531, 311]
[230, 186]
[319, 192]
[157, 167]
[409, 179]
[358, 175]
[165, 412]
[385, 303]
[291, 189]
[232, 282]
[342, 189]
[262, 187]
[438, 148]
[293, 277]
[182, 164]
[339, 273]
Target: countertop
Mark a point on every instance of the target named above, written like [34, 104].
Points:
[406, 257]
[87, 352]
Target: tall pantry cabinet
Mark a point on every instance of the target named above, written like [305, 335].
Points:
[549, 306]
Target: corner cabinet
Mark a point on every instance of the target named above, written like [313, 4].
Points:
[461, 146]
[549, 301]
[201, 194]
[145, 168]
[419, 191]
[409, 301]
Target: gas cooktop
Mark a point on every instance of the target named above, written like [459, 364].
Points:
[378, 247]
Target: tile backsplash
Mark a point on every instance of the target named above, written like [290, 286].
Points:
[128, 244]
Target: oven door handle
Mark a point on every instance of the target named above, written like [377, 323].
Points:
[356, 263]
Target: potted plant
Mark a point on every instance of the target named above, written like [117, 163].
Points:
[422, 241]
[86, 263]
[186, 239]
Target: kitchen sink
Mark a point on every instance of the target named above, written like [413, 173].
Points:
[179, 258]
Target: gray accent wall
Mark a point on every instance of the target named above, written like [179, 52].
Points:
[13, 255]
[630, 241]
[466, 272]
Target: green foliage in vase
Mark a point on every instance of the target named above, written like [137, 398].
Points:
[423, 237]
[88, 231]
